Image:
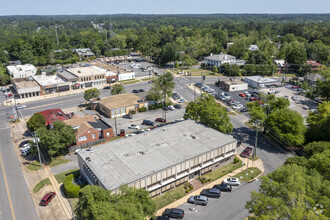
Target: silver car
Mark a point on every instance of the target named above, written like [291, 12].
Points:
[198, 200]
[20, 106]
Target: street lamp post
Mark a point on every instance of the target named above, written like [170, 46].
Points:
[36, 140]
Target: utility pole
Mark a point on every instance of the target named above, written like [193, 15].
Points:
[247, 166]
[190, 78]
[116, 122]
[36, 140]
[194, 93]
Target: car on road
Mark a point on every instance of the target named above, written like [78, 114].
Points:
[20, 106]
[135, 91]
[147, 122]
[232, 181]
[133, 126]
[198, 200]
[163, 120]
[242, 95]
[141, 90]
[223, 187]
[211, 192]
[177, 106]
[128, 116]
[246, 152]
[179, 119]
[181, 101]
[47, 198]
[171, 107]
[174, 213]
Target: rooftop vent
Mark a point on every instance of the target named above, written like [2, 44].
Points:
[193, 136]
[141, 152]
[79, 71]
[88, 159]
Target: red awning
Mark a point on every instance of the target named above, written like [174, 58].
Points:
[77, 84]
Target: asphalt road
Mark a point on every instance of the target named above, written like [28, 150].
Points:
[15, 192]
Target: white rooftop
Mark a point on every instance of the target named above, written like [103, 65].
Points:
[48, 80]
[121, 161]
[220, 57]
[261, 79]
[86, 71]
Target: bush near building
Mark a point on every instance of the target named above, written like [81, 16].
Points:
[70, 189]
[142, 109]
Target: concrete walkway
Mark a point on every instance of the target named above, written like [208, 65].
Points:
[258, 163]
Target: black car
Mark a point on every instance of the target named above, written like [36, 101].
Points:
[135, 91]
[107, 87]
[141, 90]
[244, 109]
[174, 213]
[129, 116]
[148, 122]
[23, 142]
[223, 187]
[160, 218]
[139, 132]
[165, 108]
[212, 192]
[177, 106]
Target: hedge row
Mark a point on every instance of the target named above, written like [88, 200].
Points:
[71, 190]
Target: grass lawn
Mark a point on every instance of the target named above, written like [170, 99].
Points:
[41, 184]
[147, 79]
[287, 75]
[58, 161]
[169, 196]
[218, 173]
[34, 166]
[254, 159]
[243, 177]
[130, 81]
[61, 176]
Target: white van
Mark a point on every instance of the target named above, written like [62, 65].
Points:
[25, 150]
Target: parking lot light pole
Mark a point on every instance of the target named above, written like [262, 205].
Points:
[36, 140]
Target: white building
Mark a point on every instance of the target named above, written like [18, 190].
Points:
[26, 87]
[22, 71]
[219, 59]
[233, 85]
[253, 47]
[259, 82]
[126, 76]
[51, 84]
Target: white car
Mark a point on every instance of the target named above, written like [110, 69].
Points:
[237, 106]
[25, 150]
[180, 119]
[21, 106]
[134, 126]
[232, 181]
[171, 107]
[294, 98]
[181, 101]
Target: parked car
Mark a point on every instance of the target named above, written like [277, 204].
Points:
[165, 108]
[147, 122]
[139, 132]
[247, 93]
[242, 95]
[47, 199]
[246, 152]
[179, 119]
[199, 200]
[106, 87]
[244, 109]
[177, 106]
[286, 97]
[163, 120]
[135, 91]
[20, 106]
[181, 101]
[133, 126]
[160, 218]
[128, 116]
[25, 149]
[223, 187]
[170, 107]
[253, 99]
[23, 143]
[294, 98]
[237, 106]
[212, 192]
[174, 213]
[141, 90]
[295, 87]
[232, 181]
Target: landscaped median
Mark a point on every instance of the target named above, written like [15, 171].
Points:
[172, 198]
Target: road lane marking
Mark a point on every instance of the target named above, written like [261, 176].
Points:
[39, 106]
[5, 128]
[7, 189]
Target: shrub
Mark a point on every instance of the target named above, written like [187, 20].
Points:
[203, 180]
[236, 160]
[71, 190]
[143, 109]
[155, 106]
[188, 187]
[133, 112]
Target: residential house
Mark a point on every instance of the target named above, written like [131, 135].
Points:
[22, 71]
[253, 47]
[52, 115]
[90, 129]
[313, 64]
[219, 59]
[311, 79]
[85, 52]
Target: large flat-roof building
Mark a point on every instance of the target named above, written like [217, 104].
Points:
[26, 87]
[260, 82]
[51, 84]
[22, 71]
[158, 160]
[88, 76]
[233, 85]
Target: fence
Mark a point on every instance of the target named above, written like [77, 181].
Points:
[75, 147]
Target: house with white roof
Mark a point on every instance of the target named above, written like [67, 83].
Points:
[21, 71]
[219, 59]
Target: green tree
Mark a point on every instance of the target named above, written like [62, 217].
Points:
[35, 122]
[117, 89]
[176, 65]
[4, 77]
[71, 190]
[55, 141]
[323, 86]
[316, 147]
[214, 69]
[91, 93]
[187, 61]
[164, 85]
[207, 111]
[288, 125]
[296, 53]
[319, 123]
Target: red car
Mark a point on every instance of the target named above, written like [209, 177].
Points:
[253, 99]
[260, 102]
[163, 120]
[247, 152]
[47, 198]
[295, 87]
[242, 95]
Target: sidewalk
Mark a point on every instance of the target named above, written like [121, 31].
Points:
[258, 163]
[59, 208]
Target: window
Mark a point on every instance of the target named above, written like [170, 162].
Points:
[93, 135]
[82, 138]
[108, 134]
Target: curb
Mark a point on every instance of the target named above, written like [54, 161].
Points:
[250, 181]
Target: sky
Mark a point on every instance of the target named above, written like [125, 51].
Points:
[70, 7]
